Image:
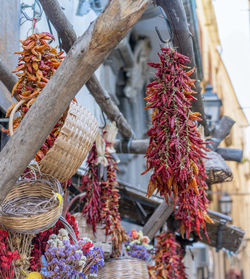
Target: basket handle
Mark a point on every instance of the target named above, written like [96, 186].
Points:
[68, 228]
[16, 107]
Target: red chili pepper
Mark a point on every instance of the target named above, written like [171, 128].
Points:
[175, 140]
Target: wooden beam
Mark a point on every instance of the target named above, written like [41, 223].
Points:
[221, 131]
[230, 154]
[85, 56]
[231, 236]
[182, 40]
[6, 77]
[67, 34]
[157, 220]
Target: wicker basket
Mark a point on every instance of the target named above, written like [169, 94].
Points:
[72, 145]
[99, 238]
[124, 268]
[32, 205]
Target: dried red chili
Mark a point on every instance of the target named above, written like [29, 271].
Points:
[38, 62]
[7, 258]
[168, 259]
[91, 185]
[176, 149]
[101, 203]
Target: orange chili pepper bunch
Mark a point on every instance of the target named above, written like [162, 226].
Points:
[37, 63]
[168, 259]
[101, 203]
[176, 149]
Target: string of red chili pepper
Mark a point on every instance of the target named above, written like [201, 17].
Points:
[168, 259]
[176, 149]
[101, 203]
[110, 213]
[38, 62]
[91, 185]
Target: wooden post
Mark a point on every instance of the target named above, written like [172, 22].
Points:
[7, 78]
[182, 40]
[139, 146]
[157, 220]
[83, 59]
[67, 34]
[221, 131]
[230, 154]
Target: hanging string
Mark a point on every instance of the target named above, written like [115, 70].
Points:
[37, 14]
[34, 22]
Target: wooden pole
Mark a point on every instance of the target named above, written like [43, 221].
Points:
[182, 40]
[67, 34]
[230, 154]
[139, 146]
[157, 220]
[85, 56]
[7, 78]
[221, 131]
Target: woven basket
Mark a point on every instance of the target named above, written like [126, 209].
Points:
[32, 205]
[99, 238]
[124, 268]
[72, 145]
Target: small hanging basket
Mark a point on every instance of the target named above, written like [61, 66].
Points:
[32, 205]
[124, 268]
[72, 145]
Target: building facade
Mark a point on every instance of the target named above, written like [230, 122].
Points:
[216, 74]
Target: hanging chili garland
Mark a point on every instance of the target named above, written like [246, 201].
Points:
[176, 149]
[168, 258]
[101, 203]
[38, 62]
[110, 214]
[90, 184]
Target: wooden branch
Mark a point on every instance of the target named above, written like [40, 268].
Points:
[85, 56]
[230, 154]
[221, 131]
[63, 27]
[109, 107]
[182, 40]
[67, 34]
[7, 78]
[157, 220]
